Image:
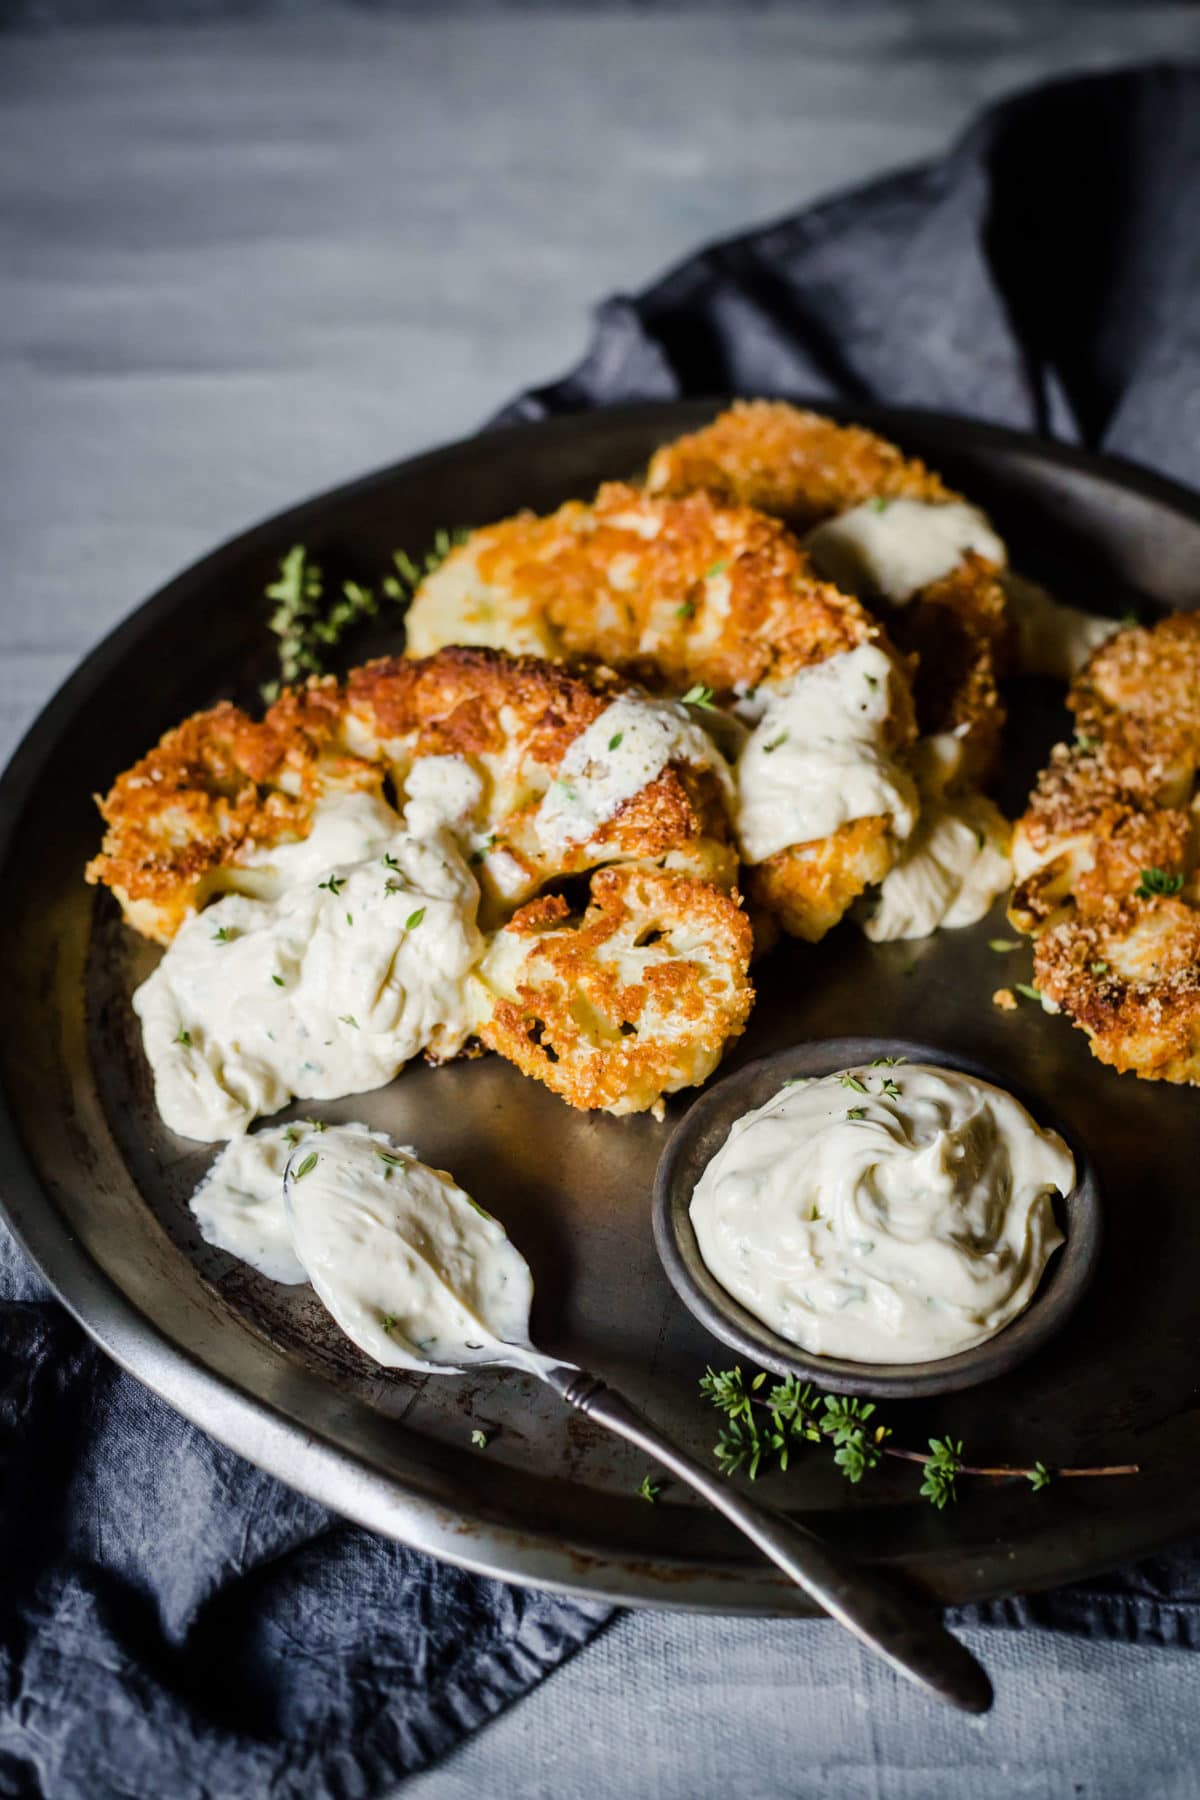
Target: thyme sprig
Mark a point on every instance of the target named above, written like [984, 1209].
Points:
[764, 1424]
[307, 623]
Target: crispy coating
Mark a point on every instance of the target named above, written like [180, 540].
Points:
[212, 789]
[1118, 948]
[191, 818]
[635, 997]
[1129, 975]
[795, 465]
[671, 591]
[809, 887]
[804, 469]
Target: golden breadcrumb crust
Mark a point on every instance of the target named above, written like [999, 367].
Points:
[673, 592]
[1108, 854]
[793, 464]
[636, 996]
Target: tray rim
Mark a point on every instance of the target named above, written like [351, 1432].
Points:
[262, 1432]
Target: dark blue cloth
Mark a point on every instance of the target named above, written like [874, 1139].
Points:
[174, 1624]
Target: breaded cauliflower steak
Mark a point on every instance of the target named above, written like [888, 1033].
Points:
[805, 469]
[632, 999]
[673, 591]
[1106, 855]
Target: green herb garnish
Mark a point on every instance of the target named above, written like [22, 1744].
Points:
[852, 1081]
[650, 1490]
[762, 1428]
[307, 1166]
[1002, 946]
[414, 919]
[775, 743]
[349, 1019]
[221, 935]
[184, 1037]
[479, 1439]
[614, 742]
[1157, 882]
[699, 696]
[1029, 991]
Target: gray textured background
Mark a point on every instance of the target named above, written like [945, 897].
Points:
[245, 259]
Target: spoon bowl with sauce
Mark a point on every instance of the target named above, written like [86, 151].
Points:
[422, 1278]
[876, 1216]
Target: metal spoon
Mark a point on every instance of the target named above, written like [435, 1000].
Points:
[887, 1619]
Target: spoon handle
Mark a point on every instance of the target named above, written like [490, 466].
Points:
[885, 1618]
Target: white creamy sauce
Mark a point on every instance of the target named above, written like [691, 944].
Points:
[1052, 639]
[628, 745]
[883, 1226]
[818, 757]
[954, 864]
[239, 1204]
[891, 549]
[327, 990]
[441, 791]
[948, 873]
[414, 1272]
[346, 827]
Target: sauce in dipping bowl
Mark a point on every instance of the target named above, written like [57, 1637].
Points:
[892, 1227]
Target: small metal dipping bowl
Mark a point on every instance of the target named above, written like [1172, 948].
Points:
[703, 1130]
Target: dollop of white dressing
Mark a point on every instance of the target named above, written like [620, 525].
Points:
[818, 757]
[1052, 638]
[415, 1272]
[886, 1214]
[628, 745]
[441, 791]
[953, 865]
[891, 549]
[948, 874]
[346, 827]
[239, 1204]
[327, 990]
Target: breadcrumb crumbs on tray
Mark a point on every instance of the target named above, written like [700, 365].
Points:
[1005, 999]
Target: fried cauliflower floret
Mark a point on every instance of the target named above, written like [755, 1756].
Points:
[1129, 976]
[807, 470]
[675, 592]
[1107, 856]
[1098, 804]
[206, 810]
[809, 887]
[181, 821]
[793, 464]
[634, 999]
[514, 719]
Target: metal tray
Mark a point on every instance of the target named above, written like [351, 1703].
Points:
[95, 1188]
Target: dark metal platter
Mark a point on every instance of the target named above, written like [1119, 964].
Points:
[95, 1188]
